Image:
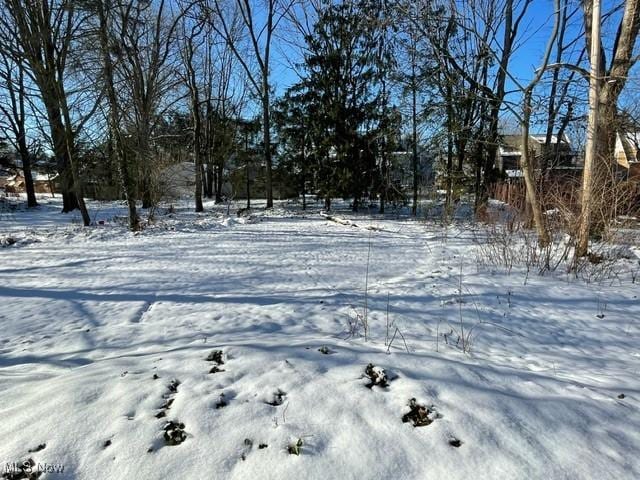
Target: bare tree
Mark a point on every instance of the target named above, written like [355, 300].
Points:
[461, 37]
[147, 70]
[192, 29]
[413, 88]
[13, 107]
[559, 92]
[525, 155]
[44, 32]
[138, 71]
[512, 21]
[260, 30]
[607, 83]
[224, 92]
[105, 30]
[412, 79]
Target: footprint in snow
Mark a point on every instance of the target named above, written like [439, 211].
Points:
[172, 390]
[278, 398]
[325, 350]
[222, 402]
[248, 446]
[455, 442]
[40, 447]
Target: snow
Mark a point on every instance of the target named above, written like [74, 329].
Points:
[548, 389]
[514, 173]
[507, 151]
[43, 177]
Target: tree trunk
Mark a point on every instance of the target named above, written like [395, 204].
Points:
[21, 137]
[385, 173]
[603, 98]
[266, 126]
[449, 179]
[74, 167]
[197, 137]
[126, 177]
[219, 168]
[304, 177]
[44, 31]
[23, 150]
[208, 141]
[414, 133]
[144, 161]
[496, 102]
[198, 192]
[525, 158]
[478, 161]
[247, 173]
[414, 150]
[209, 179]
[527, 171]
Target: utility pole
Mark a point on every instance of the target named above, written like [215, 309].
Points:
[582, 245]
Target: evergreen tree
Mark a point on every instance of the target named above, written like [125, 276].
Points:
[344, 95]
[293, 122]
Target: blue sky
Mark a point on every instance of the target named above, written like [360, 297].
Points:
[533, 35]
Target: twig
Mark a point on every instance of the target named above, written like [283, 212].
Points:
[365, 320]
[464, 349]
[386, 338]
[397, 330]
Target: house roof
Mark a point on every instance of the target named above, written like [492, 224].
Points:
[42, 177]
[554, 139]
[627, 148]
[632, 137]
[511, 144]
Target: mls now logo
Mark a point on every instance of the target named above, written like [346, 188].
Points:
[29, 466]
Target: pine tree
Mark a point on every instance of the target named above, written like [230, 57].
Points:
[344, 68]
[293, 122]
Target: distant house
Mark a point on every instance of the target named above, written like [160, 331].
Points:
[562, 157]
[12, 177]
[12, 181]
[627, 153]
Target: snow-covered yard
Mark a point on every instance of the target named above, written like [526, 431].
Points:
[106, 337]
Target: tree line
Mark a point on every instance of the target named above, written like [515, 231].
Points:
[124, 87]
